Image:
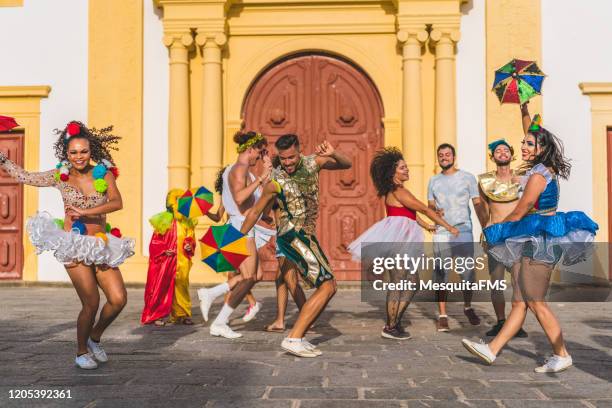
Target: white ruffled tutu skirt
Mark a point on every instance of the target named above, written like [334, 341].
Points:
[70, 246]
[394, 229]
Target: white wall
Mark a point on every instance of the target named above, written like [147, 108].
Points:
[576, 38]
[47, 42]
[155, 149]
[471, 93]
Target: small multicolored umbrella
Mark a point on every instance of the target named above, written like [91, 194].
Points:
[223, 248]
[7, 123]
[195, 202]
[518, 81]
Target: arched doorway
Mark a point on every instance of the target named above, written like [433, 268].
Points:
[320, 97]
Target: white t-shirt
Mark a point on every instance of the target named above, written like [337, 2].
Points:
[453, 194]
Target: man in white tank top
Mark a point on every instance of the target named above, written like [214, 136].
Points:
[241, 189]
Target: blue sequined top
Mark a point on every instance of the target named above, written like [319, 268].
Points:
[548, 200]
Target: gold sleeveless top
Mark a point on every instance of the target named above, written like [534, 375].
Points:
[498, 191]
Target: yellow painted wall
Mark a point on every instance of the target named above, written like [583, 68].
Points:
[115, 97]
[513, 30]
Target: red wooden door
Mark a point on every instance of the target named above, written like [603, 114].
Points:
[319, 97]
[11, 210]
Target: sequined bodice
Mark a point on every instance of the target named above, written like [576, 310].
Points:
[496, 190]
[299, 197]
[548, 201]
[70, 194]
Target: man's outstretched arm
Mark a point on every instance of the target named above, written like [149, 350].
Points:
[329, 158]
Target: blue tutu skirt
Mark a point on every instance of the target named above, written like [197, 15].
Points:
[568, 236]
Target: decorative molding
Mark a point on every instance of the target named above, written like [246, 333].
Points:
[180, 38]
[312, 28]
[405, 35]
[589, 88]
[40, 91]
[440, 34]
[11, 3]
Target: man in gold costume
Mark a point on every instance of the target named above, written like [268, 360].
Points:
[499, 192]
[294, 187]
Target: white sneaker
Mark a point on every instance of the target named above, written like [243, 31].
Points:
[97, 350]
[311, 347]
[296, 347]
[223, 330]
[554, 364]
[86, 362]
[251, 312]
[205, 302]
[480, 350]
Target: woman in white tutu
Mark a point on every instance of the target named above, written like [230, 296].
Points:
[536, 237]
[389, 172]
[89, 248]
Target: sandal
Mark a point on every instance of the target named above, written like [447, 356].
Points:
[159, 323]
[187, 321]
[270, 329]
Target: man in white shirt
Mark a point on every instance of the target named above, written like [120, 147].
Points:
[449, 193]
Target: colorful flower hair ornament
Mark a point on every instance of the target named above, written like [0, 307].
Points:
[493, 145]
[250, 143]
[73, 129]
[536, 123]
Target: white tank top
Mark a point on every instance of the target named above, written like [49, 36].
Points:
[231, 208]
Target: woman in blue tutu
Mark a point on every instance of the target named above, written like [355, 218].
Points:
[533, 239]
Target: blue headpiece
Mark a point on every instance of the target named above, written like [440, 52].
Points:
[493, 145]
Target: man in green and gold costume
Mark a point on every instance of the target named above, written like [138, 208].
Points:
[499, 192]
[295, 188]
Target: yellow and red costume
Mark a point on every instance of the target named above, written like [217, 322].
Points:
[170, 251]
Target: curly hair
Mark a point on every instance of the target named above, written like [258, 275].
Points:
[551, 154]
[101, 142]
[219, 180]
[382, 169]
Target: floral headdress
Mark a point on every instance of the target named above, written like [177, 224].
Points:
[250, 143]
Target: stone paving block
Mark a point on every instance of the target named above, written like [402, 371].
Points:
[313, 393]
[544, 404]
[335, 403]
[220, 392]
[411, 393]
[251, 404]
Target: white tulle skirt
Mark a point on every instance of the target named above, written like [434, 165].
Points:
[395, 229]
[70, 247]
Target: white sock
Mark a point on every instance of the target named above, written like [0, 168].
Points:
[293, 339]
[224, 314]
[219, 290]
[442, 315]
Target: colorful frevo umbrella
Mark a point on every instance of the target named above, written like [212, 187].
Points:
[518, 81]
[7, 123]
[223, 248]
[195, 202]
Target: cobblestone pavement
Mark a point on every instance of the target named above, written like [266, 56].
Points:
[184, 366]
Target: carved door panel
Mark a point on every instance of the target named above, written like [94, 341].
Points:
[321, 98]
[11, 210]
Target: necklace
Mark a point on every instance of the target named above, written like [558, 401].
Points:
[98, 173]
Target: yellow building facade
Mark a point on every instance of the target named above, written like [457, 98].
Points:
[218, 50]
